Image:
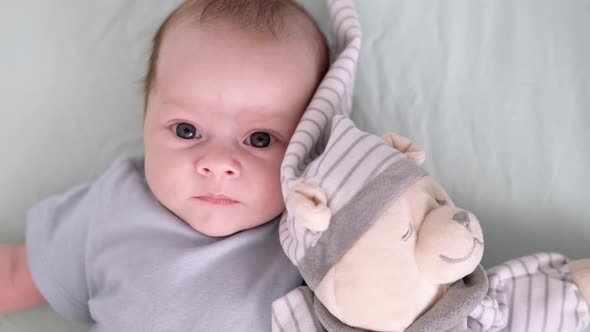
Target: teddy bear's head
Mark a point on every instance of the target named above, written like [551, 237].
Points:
[417, 247]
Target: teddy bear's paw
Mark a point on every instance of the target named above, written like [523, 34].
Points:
[580, 271]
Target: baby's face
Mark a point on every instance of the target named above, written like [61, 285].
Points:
[223, 108]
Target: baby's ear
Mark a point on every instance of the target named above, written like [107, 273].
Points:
[405, 146]
[309, 205]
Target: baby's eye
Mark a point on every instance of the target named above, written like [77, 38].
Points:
[186, 131]
[259, 140]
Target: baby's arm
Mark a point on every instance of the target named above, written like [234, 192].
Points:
[17, 290]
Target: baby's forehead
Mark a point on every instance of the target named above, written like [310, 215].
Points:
[225, 38]
[278, 19]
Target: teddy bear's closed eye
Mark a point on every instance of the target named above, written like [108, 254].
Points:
[441, 202]
[407, 234]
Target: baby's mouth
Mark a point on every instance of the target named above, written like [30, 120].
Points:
[447, 259]
[216, 199]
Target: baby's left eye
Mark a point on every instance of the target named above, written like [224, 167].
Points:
[260, 140]
[186, 131]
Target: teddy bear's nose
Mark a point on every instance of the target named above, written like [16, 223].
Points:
[462, 217]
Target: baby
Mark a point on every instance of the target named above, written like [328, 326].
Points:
[185, 238]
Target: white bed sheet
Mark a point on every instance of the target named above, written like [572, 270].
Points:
[497, 93]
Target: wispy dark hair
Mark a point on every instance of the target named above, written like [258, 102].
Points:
[255, 15]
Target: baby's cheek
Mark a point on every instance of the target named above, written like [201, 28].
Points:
[270, 181]
[165, 176]
[270, 162]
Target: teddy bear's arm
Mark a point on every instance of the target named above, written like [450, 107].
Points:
[533, 293]
[293, 312]
[580, 271]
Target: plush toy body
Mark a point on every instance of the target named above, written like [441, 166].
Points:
[382, 247]
[532, 293]
[380, 243]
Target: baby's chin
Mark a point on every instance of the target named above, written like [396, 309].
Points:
[225, 220]
[216, 230]
[222, 226]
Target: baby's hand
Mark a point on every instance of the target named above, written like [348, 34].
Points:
[17, 290]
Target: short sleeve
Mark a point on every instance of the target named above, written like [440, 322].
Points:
[56, 239]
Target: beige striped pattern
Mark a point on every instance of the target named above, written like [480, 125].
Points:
[327, 149]
[532, 294]
[528, 294]
[333, 96]
[294, 312]
[352, 158]
[325, 119]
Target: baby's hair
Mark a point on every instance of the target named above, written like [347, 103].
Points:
[253, 15]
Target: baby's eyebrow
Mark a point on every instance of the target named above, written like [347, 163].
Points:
[263, 115]
[176, 105]
[264, 111]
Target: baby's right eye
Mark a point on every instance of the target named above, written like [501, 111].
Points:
[186, 131]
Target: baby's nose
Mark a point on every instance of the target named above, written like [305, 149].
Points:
[219, 166]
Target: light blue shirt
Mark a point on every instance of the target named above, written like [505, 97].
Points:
[109, 253]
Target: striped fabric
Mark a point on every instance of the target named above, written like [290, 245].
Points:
[325, 118]
[333, 96]
[294, 312]
[533, 293]
[329, 151]
[351, 160]
[528, 294]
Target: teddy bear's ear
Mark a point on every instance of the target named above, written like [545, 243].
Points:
[405, 146]
[309, 205]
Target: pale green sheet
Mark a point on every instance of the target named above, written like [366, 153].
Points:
[497, 93]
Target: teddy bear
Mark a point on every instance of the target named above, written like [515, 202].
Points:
[380, 244]
[414, 265]
[412, 249]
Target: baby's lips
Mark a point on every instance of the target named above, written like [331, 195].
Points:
[216, 199]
